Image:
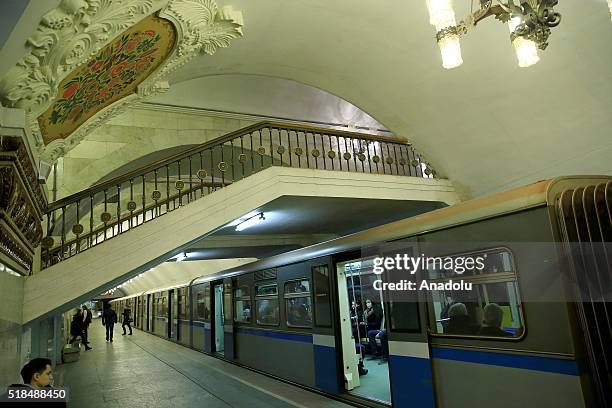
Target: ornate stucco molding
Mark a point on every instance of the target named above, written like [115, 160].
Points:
[76, 30]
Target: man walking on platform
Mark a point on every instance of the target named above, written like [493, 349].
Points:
[126, 320]
[109, 318]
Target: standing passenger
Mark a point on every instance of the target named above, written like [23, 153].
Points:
[109, 318]
[126, 320]
[86, 322]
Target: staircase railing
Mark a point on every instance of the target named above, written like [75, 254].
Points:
[107, 209]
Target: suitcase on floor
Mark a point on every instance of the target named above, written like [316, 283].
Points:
[71, 353]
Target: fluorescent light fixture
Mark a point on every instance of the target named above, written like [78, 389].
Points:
[243, 218]
[254, 220]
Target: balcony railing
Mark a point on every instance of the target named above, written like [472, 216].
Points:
[105, 210]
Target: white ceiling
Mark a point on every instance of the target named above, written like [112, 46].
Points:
[487, 125]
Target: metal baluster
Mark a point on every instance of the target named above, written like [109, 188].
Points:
[396, 163]
[63, 231]
[202, 179]
[105, 210]
[144, 200]
[167, 188]
[339, 153]
[361, 151]
[190, 182]
[382, 158]
[212, 171]
[232, 147]
[48, 258]
[222, 172]
[306, 150]
[331, 149]
[289, 147]
[252, 157]
[367, 149]
[261, 145]
[156, 208]
[280, 143]
[78, 221]
[348, 165]
[130, 222]
[375, 154]
[271, 150]
[91, 211]
[353, 152]
[178, 178]
[242, 155]
[314, 144]
[323, 151]
[118, 209]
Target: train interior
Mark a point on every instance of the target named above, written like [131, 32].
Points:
[364, 342]
[219, 321]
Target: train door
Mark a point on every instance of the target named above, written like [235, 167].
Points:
[219, 319]
[365, 353]
[172, 314]
[149, 314]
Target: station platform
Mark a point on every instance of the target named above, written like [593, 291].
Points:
[144, 370]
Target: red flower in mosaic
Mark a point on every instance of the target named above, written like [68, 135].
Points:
[102, 94]
[97, 66]
[130, 45]
[68, 92]
[150, 33]
[119, 68]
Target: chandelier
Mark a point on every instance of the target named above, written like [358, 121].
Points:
[529, 22]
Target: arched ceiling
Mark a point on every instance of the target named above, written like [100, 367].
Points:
[267, 97]
[486, 125]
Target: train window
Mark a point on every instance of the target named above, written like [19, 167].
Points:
[182, 304]
[298, 303]
[267, 289]
[320, 275]
[198, 302]
[242, 305]
[492, 308]
[267, 304]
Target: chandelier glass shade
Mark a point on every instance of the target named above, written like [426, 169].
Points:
[529, 22]
[526, 50]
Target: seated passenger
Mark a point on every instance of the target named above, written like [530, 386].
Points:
[459, 321]
[491, 326]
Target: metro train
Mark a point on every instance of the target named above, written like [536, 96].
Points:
[519, 337]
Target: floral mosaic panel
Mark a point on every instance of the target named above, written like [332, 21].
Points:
[108, 77]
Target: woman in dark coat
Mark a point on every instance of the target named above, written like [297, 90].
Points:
[76, 326]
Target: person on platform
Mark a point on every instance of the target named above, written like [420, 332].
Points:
[109, 318]
[127, 319]
[86, 322]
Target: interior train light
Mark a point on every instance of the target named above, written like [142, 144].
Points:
[254, 220]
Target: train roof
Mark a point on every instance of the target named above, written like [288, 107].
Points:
[521, 198]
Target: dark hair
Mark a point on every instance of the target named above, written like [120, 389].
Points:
[36, 365]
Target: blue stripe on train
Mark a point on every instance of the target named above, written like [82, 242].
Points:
[325, 369]
[547, 364]
[304, 338]
[411, 381]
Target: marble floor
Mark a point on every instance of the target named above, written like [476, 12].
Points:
[146, 371]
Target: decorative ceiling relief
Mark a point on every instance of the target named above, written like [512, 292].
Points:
[89, 60]
[112, 74]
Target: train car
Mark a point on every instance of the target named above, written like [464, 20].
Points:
[317, 316]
